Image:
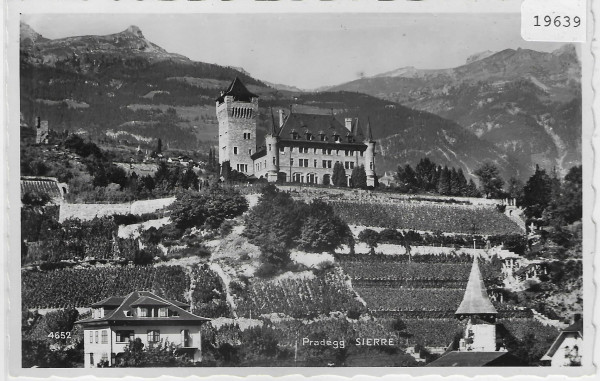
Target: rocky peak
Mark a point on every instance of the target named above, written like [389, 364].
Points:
[134, 31]
[29, 35]
[479, 56]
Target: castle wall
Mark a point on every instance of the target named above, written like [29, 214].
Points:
[89, 211]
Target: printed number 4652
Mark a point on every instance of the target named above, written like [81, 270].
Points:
[558, 21]
[59, 335]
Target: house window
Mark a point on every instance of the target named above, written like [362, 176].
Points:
[91, 359]
[282, 150]
[124, 336]
[153, 336]
[346, 165]
[143, 312]
[104, 336]
[104, 357]
[91, 337]
[235, 150]
[186, 339]
[96, 336]
[163, 312]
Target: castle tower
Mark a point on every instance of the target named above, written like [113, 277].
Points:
[237, 113]
[41, 131]
[370, 156]
[272, 147]
[480, 331]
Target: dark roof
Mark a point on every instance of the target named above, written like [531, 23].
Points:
[317, 124]
[130, 301]
[357, 131]
[111, 301]
[575, 327]
[41, 185]
[149, 301]
[475, 359]
[476, 300]
[238, 91]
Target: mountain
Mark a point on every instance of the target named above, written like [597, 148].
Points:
[123, 89]
[526, 103]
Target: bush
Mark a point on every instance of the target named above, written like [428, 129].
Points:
[208, 208]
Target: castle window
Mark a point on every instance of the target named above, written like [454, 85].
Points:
[337, 152]
[291, 161]
[273, 160]
[282, 150]
[346, 165]
[329, 152]
[143, 312]
[361, 153]
[315, 163]
[91, 337]
[324, 163]
[371, 165]
[235, 150]
[163, 312]
[96, 336]
[92, 359]
[269, 148]
[250, 151]
[351, 165]
[124, 336]
[104, 337]
[323, 151]
[314, 150]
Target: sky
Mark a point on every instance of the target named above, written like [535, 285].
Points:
[309, 50]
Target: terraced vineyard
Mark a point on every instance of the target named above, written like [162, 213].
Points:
[482, 220]
[82, 287]
[298, 297]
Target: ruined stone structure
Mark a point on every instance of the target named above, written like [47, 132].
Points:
[300, 148]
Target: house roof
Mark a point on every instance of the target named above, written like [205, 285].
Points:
[317, 124]
[41, 185]
[111, 301]
[575, 328]
[238, 91]
[476, 359]
[475, 300]
[137, 298]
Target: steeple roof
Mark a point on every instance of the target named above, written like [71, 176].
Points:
[357, 131]
[238, 91]
[369, 131]
[476, 300]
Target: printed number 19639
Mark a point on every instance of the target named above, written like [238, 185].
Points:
[59, 335]
[558, 21]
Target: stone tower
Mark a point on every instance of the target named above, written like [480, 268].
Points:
[370, 157]
[272, 147]
[237, 113]
[41, 131]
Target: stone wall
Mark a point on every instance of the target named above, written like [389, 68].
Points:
[89, 211]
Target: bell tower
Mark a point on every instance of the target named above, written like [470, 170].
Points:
[237, 113]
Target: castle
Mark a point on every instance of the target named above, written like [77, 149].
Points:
[299, 147]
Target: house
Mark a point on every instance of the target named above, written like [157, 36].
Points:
[118, 320]
[49, 186]
[566, 349]
[299, 147]
[478, 346]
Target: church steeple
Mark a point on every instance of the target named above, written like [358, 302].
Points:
[475, 300]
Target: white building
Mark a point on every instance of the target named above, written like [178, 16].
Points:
[566, 349]
[116, 321]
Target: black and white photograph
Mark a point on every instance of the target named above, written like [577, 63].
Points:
[327, 190]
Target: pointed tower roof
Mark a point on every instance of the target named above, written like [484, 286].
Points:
[238, 91]
[274, 128]
[358, 132]
[369, 131]
[475, 301]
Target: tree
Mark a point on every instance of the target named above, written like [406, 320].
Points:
[454, 183]
[407, 180]
[462, 183]
[322, 230]
[370, 237]
[443, 186]
[490, 181]
[425, 174]
[208, 208]
[537, 193]
[472, 190]
[515, 188]
[339, 175]
[159, 146]
[359, 177]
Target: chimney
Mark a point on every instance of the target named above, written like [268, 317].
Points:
[348, 124]
[280, 118]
